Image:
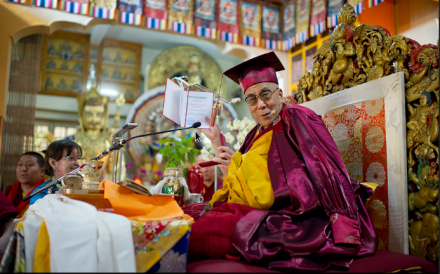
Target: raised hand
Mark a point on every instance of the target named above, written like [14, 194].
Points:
[224, 158]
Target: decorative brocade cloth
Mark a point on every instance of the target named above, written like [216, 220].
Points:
[248, 180]
[161, 246]
[317, 219]
[13, 260]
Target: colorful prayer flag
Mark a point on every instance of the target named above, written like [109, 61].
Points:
[156, 13]
[302, 20]
[45, 3]
[373, 3]
[270, 29]
[250, 28]
[227, 15]
[289, 25]
[101, 9]
[75, 6]
[205, 18]
[358, 5]
[318, 17]
[18, 1]
[180, 13]
[130, 11]
[333, 8]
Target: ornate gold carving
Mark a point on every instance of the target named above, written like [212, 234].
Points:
[188, 61]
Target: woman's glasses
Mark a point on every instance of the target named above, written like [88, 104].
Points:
[71, 159]
[252, 100]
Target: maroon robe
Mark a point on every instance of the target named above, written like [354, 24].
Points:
[318, 218]
[209, 191]
[7, 211]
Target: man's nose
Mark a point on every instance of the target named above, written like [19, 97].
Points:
[261, 104]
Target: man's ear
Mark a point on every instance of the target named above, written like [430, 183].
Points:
[281, 93]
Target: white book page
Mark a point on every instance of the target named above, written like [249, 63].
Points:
[171, 102]
[199, 106]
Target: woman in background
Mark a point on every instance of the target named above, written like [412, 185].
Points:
[30, 174]
[61, 158]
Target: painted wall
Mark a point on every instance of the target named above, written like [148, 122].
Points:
[417, 20]
[59, 108]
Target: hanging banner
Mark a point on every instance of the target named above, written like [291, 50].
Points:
[302, 20]
[205, 18]
[180, 14]
[103, 9]
[156, 12]
[373, 3]
[333, 8]
[289, 26]
[228, 20]
[75, 6]
[42, 3]
[270, 28]
[130, 11]
[317, 18]
[250, 28]
[19, 1]
[358, 5]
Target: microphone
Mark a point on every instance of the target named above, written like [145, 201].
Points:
[121, 143]
[273, 112]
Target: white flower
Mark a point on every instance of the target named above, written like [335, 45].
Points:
[229, 138]
[208, 145]
[237, 146]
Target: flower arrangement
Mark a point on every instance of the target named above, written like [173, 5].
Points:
[240, 127]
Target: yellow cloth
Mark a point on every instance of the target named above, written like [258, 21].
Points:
[140, 207]
[248, 181]
[42, 251]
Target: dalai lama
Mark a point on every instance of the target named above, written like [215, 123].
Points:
[287, 200]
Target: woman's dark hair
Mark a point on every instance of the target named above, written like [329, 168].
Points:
[55, 151]
[40, 159]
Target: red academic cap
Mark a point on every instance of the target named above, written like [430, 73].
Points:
[259, 69]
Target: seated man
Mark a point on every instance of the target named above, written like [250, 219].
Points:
[287, 200]
[30, 174]
[208, 179]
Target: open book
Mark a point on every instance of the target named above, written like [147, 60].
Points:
[185, 107]
[137, 188]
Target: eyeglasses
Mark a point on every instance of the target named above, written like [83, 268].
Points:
[252, 100]
[71, 159]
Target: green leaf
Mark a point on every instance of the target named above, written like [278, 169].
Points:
[189, 141]
[176, 156]
[195, 151]
[185, 171]
[167, 151]
[166, 140]
[172, 165]
[183, 150]
[191, 158]
[165, 166]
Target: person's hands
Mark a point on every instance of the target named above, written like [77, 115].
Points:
[205, 209]
[213, 134]
[224, 159]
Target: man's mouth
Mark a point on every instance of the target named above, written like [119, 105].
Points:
[23, 175]
[266, 115]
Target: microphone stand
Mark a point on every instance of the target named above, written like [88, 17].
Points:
[120, 144]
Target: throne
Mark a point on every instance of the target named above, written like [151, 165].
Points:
[367, 123]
